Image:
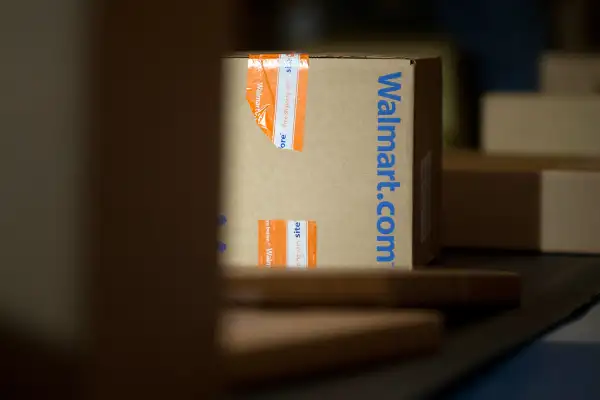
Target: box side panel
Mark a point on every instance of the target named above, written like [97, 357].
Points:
[541, 124]
[427, 160]
[570, 73]
[569, 208]
[491, 209]
[334, 180]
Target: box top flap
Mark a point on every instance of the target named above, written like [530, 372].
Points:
[345, 55]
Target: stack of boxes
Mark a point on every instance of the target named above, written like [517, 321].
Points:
[562, 119]
[537, 184]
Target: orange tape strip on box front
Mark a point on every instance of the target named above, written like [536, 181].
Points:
[287, 244]
[276, 91]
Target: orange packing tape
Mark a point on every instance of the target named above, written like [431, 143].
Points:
[287, 244]
[276, 92]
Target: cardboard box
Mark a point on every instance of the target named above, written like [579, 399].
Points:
[544, 124]
[349, 176]
[570, 73]
[522, 203]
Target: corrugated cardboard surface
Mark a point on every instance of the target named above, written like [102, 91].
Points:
[533, 203]
[570, 73]
[333, 181]
[541, 123]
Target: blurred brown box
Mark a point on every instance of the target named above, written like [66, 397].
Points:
[570, 73]
[542, 124]
[260, 346]
[527, 203]
[108, 274]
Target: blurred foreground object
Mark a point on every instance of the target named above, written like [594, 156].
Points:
[441, 289]
[110, 170]
[547, 204]
[264, 346]
[155, 159]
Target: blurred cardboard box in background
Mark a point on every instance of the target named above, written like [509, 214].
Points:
[331, 161]
[548, 204]
[570, 73]
[539, 123]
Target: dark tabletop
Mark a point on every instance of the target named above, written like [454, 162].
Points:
[555, 288]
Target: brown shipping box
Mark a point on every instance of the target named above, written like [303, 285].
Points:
[547, 204]
[331, 161]
[570, 73]
[538, 123]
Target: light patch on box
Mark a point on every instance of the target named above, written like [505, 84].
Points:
[276, 92]
[287, 244]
